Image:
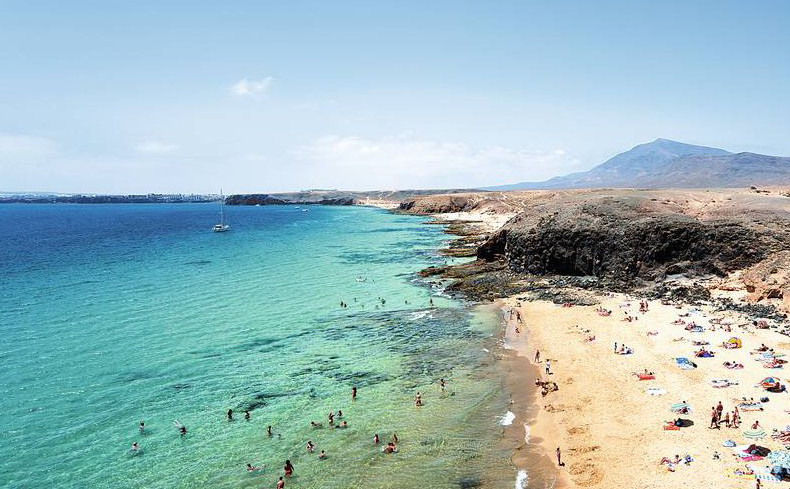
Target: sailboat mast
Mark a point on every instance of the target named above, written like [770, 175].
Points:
[221, 208]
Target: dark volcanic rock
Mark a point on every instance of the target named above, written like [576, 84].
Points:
[623, 241]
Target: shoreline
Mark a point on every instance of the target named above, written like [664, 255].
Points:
[607, 426]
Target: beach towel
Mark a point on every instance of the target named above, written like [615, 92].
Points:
[722, 383]
[646, 376]
[728, 443]
[755, 434]
[751, 406]
[684, 363]
[671, 427]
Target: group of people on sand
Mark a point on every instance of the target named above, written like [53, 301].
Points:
[730, 419]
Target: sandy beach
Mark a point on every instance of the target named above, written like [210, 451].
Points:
[609, 424]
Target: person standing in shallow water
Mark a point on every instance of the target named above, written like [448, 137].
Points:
[230, 414]
[354, 393]
[288, 468]
[280, 483]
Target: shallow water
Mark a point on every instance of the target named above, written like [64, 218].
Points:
[113, 314]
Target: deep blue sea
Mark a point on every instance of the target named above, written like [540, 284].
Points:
[113, 314]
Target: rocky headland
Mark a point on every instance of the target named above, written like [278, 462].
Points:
[669, 243]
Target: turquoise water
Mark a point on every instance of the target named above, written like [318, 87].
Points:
[115, 314]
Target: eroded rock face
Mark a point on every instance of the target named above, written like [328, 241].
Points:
[769, 279]
[627, 239]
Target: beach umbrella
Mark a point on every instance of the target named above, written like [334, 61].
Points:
[780, 458]
[769, 381]
[681, 407]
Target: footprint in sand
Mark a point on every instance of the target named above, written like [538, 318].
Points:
[578, 430]
[585, 474]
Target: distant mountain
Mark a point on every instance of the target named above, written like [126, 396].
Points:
[663, 163]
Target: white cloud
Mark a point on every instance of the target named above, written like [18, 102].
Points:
[246, 88]
[406, 161]
[21, 148]
[155, 147]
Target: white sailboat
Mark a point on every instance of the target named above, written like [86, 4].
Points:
[221, 227]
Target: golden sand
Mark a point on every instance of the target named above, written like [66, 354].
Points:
[609, 428]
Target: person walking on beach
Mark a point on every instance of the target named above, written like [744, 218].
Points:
[714, 419]
[537, 356]
[559, 457]
[548, 367]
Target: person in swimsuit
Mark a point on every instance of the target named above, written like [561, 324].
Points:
[316, 425]
[288, 468]
[322, 455]
[559, 456]
[247, 415]
[142, 426]
[135, 447]
[394, 438]
[269, 431]
[280, 483]
[250, 468]
[376, 439]
[353, 393]
[331, 418]
[230, 414]
[182, 429]
[310, 447]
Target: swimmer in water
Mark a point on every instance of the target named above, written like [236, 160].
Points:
[322, 455]
[418, 399]
[280, 483]
[344, 424]
[269, 431]
[310, 447]
[142, 426]
[443, 383]
[288, 468]
[316, 425]
[376, 439]
[353, 393]
[390, 448]
[230, 414]
[394, 438]
[183, 430]
[250, 468]
[247, 415]
[331, 418]
[135, 447]
[339, 413]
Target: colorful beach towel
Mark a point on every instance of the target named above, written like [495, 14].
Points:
[755, 434]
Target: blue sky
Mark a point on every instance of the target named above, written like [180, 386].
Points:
[139, 96]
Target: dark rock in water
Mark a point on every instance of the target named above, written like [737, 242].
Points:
[470, 482]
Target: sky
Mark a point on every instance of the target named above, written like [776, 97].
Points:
[255, 96]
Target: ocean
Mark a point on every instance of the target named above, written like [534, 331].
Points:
[113, 314]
